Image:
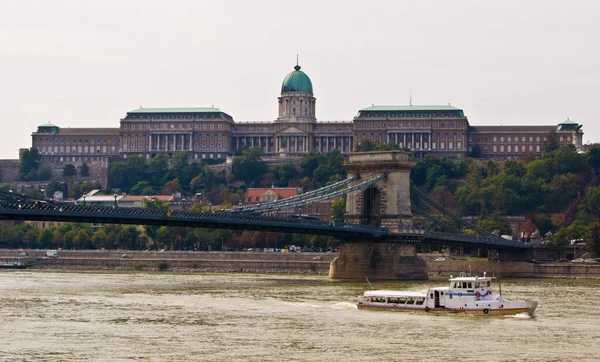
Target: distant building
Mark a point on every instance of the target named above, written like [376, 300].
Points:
[210, 133]
[262, 195]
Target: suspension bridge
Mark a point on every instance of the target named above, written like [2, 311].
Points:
[378, 210]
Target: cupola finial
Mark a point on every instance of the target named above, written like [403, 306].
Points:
[297, 67]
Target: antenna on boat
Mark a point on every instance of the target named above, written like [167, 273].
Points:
[370, 286]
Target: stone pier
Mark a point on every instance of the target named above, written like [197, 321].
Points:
[378, 261]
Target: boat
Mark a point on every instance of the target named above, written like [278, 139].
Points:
[465, 294]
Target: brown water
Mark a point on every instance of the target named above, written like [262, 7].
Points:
[47, 316]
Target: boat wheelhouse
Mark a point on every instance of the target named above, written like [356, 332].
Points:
[465, 294]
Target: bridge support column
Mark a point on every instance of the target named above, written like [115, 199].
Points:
[378, 261]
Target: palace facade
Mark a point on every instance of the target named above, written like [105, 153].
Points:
[209, 133]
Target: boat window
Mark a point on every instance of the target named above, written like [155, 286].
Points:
[476, 284]
[420, 301]
[410, 301]
[464, 285]
[380, 300]
[396, 301]
[470, 285]
[457, 285]
[487, 283]
[431, 295]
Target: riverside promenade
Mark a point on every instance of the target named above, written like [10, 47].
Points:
[272, 262]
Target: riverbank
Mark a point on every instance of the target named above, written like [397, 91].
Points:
[277, 263]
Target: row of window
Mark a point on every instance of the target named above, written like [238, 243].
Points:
[411, 115]
[76, 149]
[64, 140]
[172, 126]
[510, 148]
[516, 139]
[375, 125]
[332, 129]
[179, 116]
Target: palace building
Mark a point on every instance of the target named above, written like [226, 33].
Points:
[209, 133]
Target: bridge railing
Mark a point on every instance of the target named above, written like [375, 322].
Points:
[102, 212]
[474, 239]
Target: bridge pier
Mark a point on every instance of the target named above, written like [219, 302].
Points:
[378, 261]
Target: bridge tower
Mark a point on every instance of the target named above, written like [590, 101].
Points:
[385, 204]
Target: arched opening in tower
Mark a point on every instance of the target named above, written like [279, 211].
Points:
[371, 214]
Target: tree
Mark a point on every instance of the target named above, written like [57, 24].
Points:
[99, 239]
[58, 239]
[338, 210]
[552, 143]
[152, 230]
[475, 152]
[592, 238]
[82, 240]
[30, 162]
[84, 170]
[249, 167]
[171, 187]
[123, 239]
[45, 238]
[365, 145]
[69, 170]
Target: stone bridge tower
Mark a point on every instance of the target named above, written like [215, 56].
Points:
[387, 204]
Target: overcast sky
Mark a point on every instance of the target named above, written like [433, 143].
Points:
[85, 64]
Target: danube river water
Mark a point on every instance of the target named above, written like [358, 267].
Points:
[50, 316]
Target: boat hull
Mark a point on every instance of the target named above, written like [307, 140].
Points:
[527, 307]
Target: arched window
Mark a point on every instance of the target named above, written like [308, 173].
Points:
[294, 111]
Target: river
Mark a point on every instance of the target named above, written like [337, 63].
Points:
[66, 316]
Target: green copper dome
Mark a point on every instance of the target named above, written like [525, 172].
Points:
[297, 81]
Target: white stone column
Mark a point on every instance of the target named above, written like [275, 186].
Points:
[412, 142]
[421, 141]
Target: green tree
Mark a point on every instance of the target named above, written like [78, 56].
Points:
[84, 170]
[30, 162]
[475, 152]
[592, 238]
[552, 143]
[45, 238]
[365, 145]
[338, 210]
[82, 240]
[69, 170]
[124, 239]
[249, 167]
[99, 239]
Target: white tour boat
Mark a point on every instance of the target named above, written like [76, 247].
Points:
[466, 294]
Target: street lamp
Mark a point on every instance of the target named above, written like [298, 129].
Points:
[222, 243]
[43, 190]
[83, 199]
[210, 205]
[116, 199]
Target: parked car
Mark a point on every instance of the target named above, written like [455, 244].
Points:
[577, 260]
[440, 259]
[126, 256]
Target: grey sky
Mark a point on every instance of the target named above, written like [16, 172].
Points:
[85, 64]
